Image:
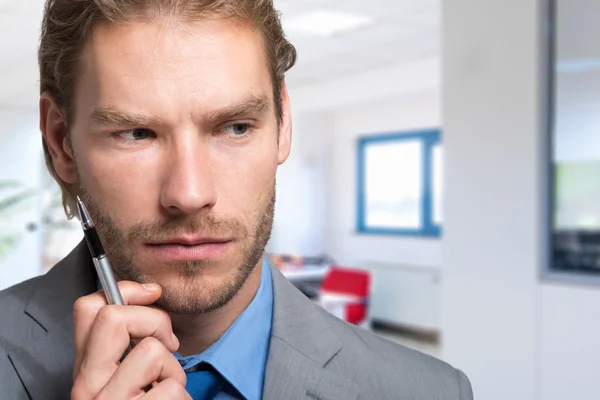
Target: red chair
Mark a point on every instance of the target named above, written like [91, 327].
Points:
[345, 293]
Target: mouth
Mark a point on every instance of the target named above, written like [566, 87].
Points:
[189, 248]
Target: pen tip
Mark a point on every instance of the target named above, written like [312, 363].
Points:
[84, 217]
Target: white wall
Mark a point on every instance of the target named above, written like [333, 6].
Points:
[516, 336]
[344, 244]
[299, 226]
[387, 83]
[21, 159]
[490, 252]
[570, 342]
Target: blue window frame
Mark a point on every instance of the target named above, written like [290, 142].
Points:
[399, 186]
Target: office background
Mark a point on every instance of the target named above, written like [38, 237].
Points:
[462, 242]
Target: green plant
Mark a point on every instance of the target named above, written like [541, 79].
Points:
[14, 199]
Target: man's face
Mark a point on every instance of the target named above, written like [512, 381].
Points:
[175, 149]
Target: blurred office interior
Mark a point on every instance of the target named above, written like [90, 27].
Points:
[449, 150]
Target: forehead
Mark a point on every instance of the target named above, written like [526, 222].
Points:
[172, 67]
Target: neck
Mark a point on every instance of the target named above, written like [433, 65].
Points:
[196, 333]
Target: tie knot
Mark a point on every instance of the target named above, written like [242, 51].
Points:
[203, 382]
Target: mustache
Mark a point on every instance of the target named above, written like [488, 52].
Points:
[179, 226]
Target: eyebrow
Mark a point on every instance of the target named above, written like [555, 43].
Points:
[112, 116]
[252, 105]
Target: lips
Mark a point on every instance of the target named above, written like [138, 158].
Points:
[190, 241]
[189, 248]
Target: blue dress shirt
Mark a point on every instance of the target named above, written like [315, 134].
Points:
[240, 354]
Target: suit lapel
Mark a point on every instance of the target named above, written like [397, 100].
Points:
[302, 343]
[45, 363]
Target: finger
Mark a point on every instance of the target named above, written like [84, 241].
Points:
[150, 361]
[86, 308]
[110, 336]
[115, 326]
[168, 389]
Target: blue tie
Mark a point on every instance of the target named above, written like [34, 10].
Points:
[203, 383]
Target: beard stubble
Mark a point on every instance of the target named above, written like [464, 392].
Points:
[192, 295]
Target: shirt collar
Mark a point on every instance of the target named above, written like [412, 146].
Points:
[240, 354]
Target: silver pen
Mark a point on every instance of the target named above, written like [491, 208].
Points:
[101, 263]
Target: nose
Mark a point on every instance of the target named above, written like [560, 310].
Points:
[188, 185]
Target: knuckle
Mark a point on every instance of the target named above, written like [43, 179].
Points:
[77, 391]
[82, 306]
[108, 315]
[173, 389]
[127, 284]
[180, 375]
[165, 320]
[151, 347]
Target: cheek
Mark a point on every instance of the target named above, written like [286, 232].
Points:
[247, 181]
[115, 182]
[114, 177]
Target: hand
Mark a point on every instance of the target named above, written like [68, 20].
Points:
[102, 334]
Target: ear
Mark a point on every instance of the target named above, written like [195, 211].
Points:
[285, 127]
[54, 131]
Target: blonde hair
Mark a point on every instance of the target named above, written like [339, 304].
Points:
[68, 24]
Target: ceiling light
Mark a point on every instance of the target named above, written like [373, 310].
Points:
[326, 23]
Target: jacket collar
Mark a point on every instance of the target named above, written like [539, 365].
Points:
[303, 342]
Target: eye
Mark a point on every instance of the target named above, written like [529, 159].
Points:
[237, 129]
[136, 134]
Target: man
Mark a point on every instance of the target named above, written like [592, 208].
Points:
[169, 119]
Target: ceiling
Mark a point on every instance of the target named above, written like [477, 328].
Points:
[405, 31]
[19, 35]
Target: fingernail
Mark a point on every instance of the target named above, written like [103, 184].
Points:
[151, 287]
[175, 340]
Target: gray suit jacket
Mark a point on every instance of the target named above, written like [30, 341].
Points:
[312, 356]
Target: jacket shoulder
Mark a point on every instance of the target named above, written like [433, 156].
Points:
[13, 302]
[384, 369]
[20, 293]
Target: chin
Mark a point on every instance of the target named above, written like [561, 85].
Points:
[195, 297]
[193, 286]
[198, 289]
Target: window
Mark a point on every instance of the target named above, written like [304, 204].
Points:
[573, 154]
[400, 184]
